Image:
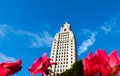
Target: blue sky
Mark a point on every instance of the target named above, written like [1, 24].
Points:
[27, 28]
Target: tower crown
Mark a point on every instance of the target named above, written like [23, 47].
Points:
[65, 27]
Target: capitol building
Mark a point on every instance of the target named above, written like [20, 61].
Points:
[63, 49]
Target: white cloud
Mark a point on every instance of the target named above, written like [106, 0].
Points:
[109, 25]
[4, 29]
[87, 43]
[1, 33]
[34, 40]
[4, 58]
[106, 28]
[45, 39]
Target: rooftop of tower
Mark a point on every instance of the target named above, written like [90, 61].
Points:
[67, 23]
[66, 27]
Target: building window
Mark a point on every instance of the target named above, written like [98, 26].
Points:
[52, 59]
[53, 53]
[60, 70]
[52, 56]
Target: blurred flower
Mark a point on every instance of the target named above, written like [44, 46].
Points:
[9, 68]
[101, 63]
[114, 62]
[114, 59]
[41, 65]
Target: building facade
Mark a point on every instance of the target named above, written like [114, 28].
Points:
[63, 49]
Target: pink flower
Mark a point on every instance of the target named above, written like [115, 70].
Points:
[101, 63]
[41, 65]
[9, 68]
[114, 60]
[96, 64]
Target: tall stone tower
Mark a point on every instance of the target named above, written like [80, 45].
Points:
[63, 49]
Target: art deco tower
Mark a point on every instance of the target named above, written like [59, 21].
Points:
[63, 49]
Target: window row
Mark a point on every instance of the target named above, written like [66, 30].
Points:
[60, 70]
[62, 62]
[61, 52]
[63, 59]
[63, 41]
[59, 66]
[62, 47]
[67, 37]
[63, 44]
[65, 33]
[61, 56]
[58, 59]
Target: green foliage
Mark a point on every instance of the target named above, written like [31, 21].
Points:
[75, 70]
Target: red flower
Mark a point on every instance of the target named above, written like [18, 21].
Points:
[101, 63]
[96, 64]
[9, 68]
[114, 60]
[41, 65]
